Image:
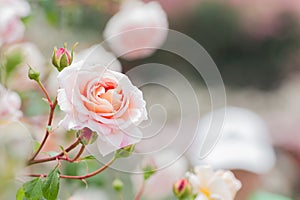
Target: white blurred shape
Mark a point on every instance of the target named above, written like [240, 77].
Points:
[244, 143]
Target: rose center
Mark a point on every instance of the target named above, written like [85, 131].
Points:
[104, 97]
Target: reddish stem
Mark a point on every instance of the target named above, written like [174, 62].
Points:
[82, 176]
[140, 192]
[58, 156]
[78, 154]
[46, 93]
[50, 119]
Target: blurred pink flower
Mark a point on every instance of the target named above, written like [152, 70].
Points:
[102, 100]
[137, 30]
[10, 104]
[208, 184]
[11, 27]
[160, 184]
[31, 56]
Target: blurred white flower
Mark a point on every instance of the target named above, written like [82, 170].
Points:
[96, 54]
[11, 27]
[21, 8]
[31, 56]
[10, 104]
[160, 184]
[137, 30]
[90, 194]
[15, 146]
[207, 184]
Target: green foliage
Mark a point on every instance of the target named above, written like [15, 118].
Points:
[124, 152]
[12, 60]
[31, 190]
[36, 145]
[89, 157]
[39, 189]
[51, 185]
[21, 194]
[52, 11]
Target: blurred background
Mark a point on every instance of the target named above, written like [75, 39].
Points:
[255, 45]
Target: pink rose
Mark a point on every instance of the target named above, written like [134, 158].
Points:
[10, 104]
[137, 29]
[102, 100]
[11, 27]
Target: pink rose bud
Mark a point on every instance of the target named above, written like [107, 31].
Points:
[62, 58]
[182, 189]
[87, 136]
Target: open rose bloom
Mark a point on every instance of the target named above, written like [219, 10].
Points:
[104, 101]
[216, 185]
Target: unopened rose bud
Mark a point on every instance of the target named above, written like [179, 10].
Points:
[87, 136]
[182, 189]
[124, 152]
[33, 75]
[61, 57]
[117, 185]
[149, 168]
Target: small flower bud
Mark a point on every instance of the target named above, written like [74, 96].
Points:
[61, 57]
[33, 75]
[124, 152]
[117, 185]
[182, 189]
[87, 136]
[149, 168]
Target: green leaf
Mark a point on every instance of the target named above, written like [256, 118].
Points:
[33, 189]
[36, 145]
[51, 185]
[89, 157]
[21, 194]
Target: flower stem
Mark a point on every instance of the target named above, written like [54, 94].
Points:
[140, 192]
[50, 119]
[78, 154]
[58, 156]
[81, 177]
[46, 93]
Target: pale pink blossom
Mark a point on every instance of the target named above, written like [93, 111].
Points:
[31, 56]
[102, 100]
[11, 27]
[10, 104]
[209, 184]
[137, 30]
